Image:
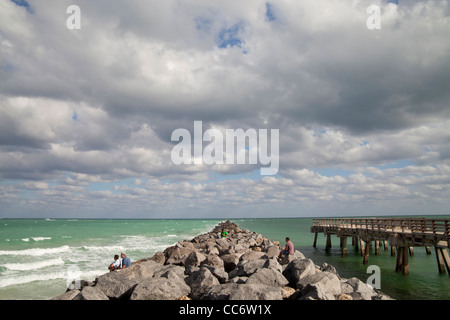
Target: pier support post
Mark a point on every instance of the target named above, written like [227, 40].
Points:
[356, 243]
[385, 243]
[405, 261]
[392, 251]
[411, 251]
[402, 260]
[328, 245]
[443, 260]
[427, 249]
[377, 247]
[366, 252]
[344, 246]
[315, 240]
[362, 247]
[398, 264]
[446, 259]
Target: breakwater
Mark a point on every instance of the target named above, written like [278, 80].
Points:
[241, 266]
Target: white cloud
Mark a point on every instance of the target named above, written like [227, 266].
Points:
[86, 116]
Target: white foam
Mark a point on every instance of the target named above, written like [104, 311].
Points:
[41, 238]
[26, 239]
[33, 265]
[35, 252]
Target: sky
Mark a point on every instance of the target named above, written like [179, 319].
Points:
[87, 114]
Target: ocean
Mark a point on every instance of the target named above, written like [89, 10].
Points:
[40, 257]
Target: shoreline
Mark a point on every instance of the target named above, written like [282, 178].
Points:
[242, 266]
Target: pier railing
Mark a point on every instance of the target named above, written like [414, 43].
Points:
[423, 226]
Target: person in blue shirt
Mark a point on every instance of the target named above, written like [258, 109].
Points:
[126, 262]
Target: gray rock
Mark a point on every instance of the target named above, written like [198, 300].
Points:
[212, 250]
[160, 289]
[177, 255]
[91, 293]
[68, 295]
[247, 268]
[316, 291]
[233, 291]
[219, 273]
[298, 269]
[200, 281]
[115, 284]
[238, 280]
[214, 261]
[159, 257]
[328, 279]
[329, 268]
[194, 259]
[230, 261]
[272, 251]
[269, 277]
[359, 290]
[253, 255]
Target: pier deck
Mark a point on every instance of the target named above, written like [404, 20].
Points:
[402, 234]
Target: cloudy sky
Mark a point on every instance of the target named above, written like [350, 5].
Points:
[86, 115]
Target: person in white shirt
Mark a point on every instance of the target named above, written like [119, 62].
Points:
[116, 265]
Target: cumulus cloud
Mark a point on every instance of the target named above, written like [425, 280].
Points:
[86, 116]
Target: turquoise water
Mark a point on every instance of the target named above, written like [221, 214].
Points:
[39, 257]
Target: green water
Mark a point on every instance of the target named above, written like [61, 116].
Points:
[38, 258]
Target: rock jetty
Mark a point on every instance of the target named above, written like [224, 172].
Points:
[242, 266]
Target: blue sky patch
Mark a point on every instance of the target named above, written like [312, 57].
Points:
[269, 12]
[22, 3]
[228, 38]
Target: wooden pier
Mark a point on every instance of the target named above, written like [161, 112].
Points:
[402, 234]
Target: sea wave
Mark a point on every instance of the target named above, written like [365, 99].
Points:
[41, 238]
[33, 265]
[18, 280]
[36, 252]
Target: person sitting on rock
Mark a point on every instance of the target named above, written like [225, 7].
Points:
[288, 249]
[223, 234]
[126, 262]
[116, 265]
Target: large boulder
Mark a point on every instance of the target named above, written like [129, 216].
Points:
[91, 293]
[117, 284]
[253, 255]
[160, 289]
[299, 269]
[177, 255]
[316, 291]
[328, 279]
[233, 291]
[199, 281]
[213, 261]
[357, 289]
[194, 259]
[269, 277]
[230, 261]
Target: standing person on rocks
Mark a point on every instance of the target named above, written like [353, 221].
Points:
[126, 262]
[288, 249]
[223, 234]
